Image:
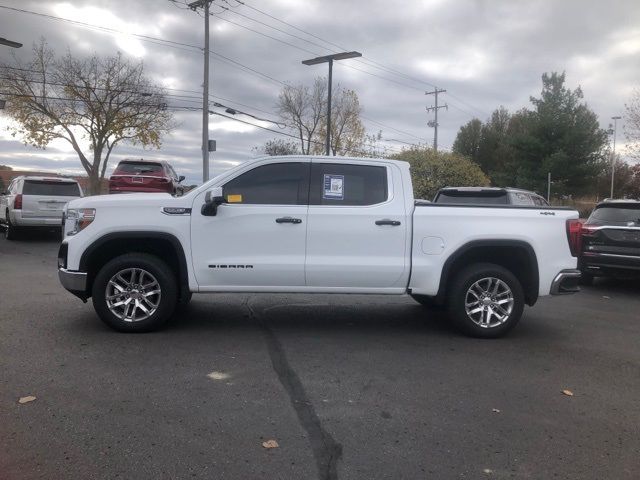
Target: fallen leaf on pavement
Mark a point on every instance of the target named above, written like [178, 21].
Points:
[27, 399]
[568, 393]
[270, 444]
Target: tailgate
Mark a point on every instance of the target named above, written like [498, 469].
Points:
[135, 180]
[47, 198]
[42, 206]
[612, 240]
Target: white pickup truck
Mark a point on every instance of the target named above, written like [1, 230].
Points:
[314, 225]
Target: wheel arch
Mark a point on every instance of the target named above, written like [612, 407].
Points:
[517, 256]
[164, 245]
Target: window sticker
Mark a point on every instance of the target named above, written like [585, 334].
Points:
[333, 188]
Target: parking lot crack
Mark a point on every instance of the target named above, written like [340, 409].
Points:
[326, 451]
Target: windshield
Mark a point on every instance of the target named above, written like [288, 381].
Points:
[51, 188]
[139, 167]
[616, 214]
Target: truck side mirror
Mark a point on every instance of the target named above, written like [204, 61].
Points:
[212, 199]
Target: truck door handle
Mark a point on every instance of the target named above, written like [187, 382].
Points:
[288, 220]
[386, 221]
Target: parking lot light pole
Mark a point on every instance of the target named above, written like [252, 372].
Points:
[329, 59]
[10, 43]
[613, 157]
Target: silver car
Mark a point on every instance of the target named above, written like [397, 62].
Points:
[32, 201]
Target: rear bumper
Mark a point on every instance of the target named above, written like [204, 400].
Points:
[21, 221]
[74, 282]
[604, 263]
[565, 282]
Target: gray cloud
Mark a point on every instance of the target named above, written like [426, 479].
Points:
[485, 53]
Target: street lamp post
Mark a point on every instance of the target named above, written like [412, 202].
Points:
[329, 59]
[613, 159]
[10, 43]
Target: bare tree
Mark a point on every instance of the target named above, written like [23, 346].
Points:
[347, 130]
[632, 124]
[96, 101]
[277, 147]
[304, 109]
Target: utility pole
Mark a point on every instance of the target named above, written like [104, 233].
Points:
[329, 59]
[613, 158]
[205, 88]
[435, 109]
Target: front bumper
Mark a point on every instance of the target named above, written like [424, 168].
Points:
[74, 282]
[566, 282]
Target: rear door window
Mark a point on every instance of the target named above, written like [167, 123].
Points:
[345, 184]
[50, 188]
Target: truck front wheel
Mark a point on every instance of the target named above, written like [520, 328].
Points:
[485, 300]
[135, 292]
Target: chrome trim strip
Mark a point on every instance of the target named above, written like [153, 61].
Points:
[186, 212]
[616, 255]
[609, 227]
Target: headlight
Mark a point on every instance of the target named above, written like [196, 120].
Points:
[77, 219]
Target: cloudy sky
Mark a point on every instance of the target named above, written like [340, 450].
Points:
[485, 53]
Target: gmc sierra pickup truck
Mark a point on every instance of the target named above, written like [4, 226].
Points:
[314, 225]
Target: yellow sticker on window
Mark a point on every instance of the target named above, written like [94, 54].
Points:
[234, 198]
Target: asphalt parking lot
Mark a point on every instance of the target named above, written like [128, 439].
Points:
[350, 387]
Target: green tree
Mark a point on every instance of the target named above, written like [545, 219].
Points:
[94, 104]
[432, 170]
[469, 139]
[562, 136]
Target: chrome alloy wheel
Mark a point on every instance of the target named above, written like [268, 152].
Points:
[489, 302]
[133, 294]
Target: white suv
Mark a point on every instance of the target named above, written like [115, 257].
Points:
[35, 202]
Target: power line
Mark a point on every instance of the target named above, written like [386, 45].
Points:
[151, 39]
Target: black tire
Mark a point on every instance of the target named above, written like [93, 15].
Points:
[586, 279]
[166, 303]
[458, 293]
[183, 300]
[11, 232]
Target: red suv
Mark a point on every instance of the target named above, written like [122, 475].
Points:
[143, 176]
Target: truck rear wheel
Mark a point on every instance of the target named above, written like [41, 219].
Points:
[135, 292]
[485, 300]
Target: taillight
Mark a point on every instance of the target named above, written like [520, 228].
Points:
[574, 236]
[17, 203]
